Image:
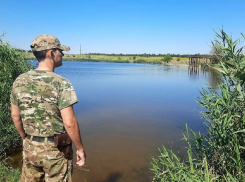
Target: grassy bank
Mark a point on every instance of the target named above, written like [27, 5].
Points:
[218, 154]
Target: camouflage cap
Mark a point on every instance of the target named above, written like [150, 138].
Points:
[45, 41]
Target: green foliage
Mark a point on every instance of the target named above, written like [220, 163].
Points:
[167, 58]
[12, 64]
[140, 61]
[225, 121]
[155, 62]
[7, 173]
[147, 62]
[168, 167]
[218, 154]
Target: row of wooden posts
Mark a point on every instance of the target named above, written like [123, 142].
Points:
[197, 60]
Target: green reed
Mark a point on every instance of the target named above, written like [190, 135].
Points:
[218, 154]
[12, 64]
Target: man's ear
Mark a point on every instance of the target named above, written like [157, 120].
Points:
[50, 54]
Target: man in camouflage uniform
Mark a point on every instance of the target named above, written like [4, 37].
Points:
[41, 103]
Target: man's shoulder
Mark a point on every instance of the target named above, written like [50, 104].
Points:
[42, 74]
[48, 77]
[59, 77]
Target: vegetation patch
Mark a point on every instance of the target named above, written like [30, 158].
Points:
[167, 58]
[7, 173]
[12, 64]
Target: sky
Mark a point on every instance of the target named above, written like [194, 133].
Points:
[123, 26]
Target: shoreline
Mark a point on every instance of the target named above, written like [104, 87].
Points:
[159, 60]
[170, 63]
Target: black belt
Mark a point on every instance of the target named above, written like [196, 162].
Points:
[40, 139]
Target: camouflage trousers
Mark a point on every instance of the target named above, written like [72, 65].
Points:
[43, 161]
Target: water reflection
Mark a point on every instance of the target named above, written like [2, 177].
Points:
[212, 76]
[193, 71]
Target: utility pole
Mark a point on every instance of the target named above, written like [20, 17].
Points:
[80, 49]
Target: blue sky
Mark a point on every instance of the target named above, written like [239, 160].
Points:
[123, 26]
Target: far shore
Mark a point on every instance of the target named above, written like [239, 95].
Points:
[176, 61]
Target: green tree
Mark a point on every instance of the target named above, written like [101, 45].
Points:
[167, 58]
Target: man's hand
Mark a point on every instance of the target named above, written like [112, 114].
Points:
[23, 142]
[81, 158]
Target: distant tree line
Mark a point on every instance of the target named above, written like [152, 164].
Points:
[141, 55]
[151, 55]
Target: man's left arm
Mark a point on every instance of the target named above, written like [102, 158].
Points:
[15, 114]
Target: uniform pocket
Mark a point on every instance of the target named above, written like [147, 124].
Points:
[52, 152]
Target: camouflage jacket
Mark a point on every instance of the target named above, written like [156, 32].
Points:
[40, 95]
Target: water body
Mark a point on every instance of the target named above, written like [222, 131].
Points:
[127, 111]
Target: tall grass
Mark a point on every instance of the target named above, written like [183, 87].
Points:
[218, 154]
[7, 173]
[12, 64]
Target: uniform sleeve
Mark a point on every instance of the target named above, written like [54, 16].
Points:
[67, 95]
[13, 97]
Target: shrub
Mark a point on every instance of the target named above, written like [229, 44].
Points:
[167, 58]
[140, 61]
[12, 64]
[155, 62]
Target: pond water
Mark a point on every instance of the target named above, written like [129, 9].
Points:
[127, 111]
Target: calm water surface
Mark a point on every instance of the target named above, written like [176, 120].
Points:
[127, 111]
